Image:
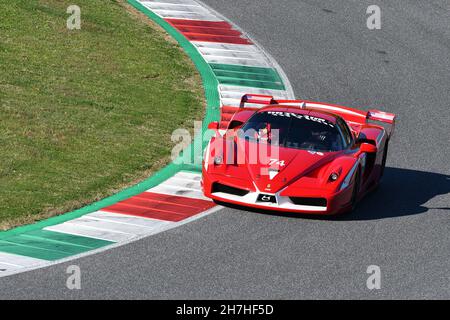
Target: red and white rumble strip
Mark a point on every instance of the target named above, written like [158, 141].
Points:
[173, 201]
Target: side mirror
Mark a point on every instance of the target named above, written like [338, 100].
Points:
[213, 126]
[367, 148]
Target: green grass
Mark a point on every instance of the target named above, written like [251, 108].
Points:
[85, 113]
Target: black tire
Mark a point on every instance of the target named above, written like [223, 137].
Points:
[383, 163]
[355, 192]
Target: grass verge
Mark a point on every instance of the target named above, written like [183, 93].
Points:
[88, 112]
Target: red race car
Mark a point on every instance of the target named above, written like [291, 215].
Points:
[295, 155]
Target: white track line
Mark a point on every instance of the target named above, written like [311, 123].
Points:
[206, 46]
[181, 14]
[231, 95]
[174, 2]
[235, 91]
[112, 226]
[11, 262]
[189, 176]
[222, 54]
[190, 7]
[177, 191]
[127, 219]
[257, 62]
[183, 184]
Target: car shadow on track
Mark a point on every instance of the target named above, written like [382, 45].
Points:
[402, 192]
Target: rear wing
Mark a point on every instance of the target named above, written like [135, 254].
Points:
[348, 114]
[257, 101]
[377, 115]
[385, 119]
[249, 102]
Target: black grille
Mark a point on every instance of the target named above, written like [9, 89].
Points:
[317, 202]
[218, 187]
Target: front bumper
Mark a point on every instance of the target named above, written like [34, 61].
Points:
[336, 203]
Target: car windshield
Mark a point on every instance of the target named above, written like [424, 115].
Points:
[292, 130]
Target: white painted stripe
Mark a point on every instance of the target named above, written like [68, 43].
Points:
[219, 53]
[108, 226]
[237, 102]
[151, 224]
[4, 267]
[10, 262]
[177, 191]
[191, 7]
[237, 92]
[239, 95]
[188, 16]
[90, 232]
[180, 10]
[205, 46]
[257, 62]
[189, 175]
[183, 182]
[186, 184]
[173, 14]
[181, 2]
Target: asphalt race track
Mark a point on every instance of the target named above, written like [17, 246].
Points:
[329, 55]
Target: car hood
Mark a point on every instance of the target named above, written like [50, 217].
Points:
[281, 166]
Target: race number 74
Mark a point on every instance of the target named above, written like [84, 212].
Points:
[277, 162]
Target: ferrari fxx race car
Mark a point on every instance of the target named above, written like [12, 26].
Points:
[295, 155]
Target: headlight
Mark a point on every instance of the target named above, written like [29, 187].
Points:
[334, 176]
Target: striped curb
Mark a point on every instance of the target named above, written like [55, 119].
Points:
[231, 65]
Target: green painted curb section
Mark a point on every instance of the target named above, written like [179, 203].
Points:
[246, 69]
[265, 78]
[250, 83]
[47, 245]
[8, 241]
[84, 242]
